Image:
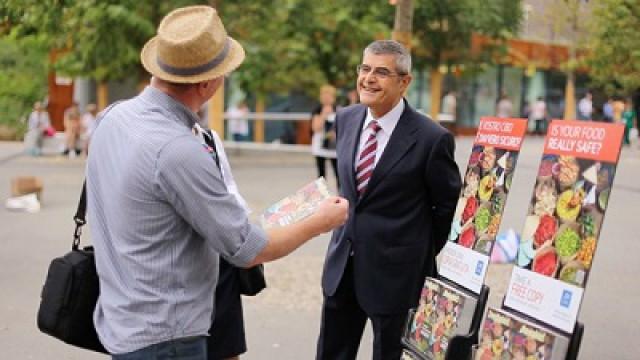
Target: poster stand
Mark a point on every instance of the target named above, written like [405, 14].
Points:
[460, 345]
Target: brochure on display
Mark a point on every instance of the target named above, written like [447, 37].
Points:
[506, 336]
[443, 312]
[487, 182]
[297, 206]
[564, 219]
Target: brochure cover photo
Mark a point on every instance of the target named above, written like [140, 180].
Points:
[297, 206]
[505, 336]
[442, 313]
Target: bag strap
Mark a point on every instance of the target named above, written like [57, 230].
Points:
[80, 217]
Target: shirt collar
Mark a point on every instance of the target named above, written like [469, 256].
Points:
[162, 99]
[389, 120]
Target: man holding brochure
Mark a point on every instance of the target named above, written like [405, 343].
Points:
[159, 210]
[397, 171]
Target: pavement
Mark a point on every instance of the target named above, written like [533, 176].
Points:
[283, 321]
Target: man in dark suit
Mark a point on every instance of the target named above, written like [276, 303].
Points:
[402, 184]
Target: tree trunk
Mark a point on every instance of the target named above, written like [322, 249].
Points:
[402, 27]
[102, 95]
[259, 122]
[436, 92]
[570, 97]
[216, 111]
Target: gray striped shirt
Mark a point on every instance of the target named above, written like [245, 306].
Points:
[160, 215]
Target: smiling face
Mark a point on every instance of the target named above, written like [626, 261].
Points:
[381, 93]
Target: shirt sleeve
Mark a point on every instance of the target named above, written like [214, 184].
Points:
[191, 182]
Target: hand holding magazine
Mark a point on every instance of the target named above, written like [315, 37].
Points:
[297, 206]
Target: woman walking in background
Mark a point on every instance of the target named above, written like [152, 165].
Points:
[323, 140]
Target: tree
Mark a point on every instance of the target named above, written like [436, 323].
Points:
[614, 46]
[443, 30]
[98, 39]
[23, 78]
[566, 20]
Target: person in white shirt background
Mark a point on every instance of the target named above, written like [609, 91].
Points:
[585, 107]
[238, 123]
[38, 123]
[539, 115]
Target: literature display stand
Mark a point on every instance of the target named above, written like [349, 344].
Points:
[446, 323]
[539, 313]
[456, 347]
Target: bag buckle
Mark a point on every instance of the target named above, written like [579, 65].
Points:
[77, 233]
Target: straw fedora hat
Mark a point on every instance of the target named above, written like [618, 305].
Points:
[191, 46]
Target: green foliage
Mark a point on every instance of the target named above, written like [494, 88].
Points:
[614, 48]
[290, 44]
[443, 28]
[23, 78]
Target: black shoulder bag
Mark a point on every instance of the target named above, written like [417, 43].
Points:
[70, 292]
[251, 280]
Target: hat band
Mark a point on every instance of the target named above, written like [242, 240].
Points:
[196, 70]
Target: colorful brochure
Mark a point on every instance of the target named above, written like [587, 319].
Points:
[505, 336]
[442, 313]
[297, 206]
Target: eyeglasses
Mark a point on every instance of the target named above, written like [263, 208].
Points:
[379, 72]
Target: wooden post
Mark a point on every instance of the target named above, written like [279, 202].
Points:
[436, 91]
[216, 111]
[102, 95]
[259, 122]
[570, 97]
[403, 22]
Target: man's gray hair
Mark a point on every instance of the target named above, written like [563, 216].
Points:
[392, 47]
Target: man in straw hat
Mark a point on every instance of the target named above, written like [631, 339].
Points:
[159, 211]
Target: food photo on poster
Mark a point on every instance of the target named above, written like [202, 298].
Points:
[565, 216]
[487, 182]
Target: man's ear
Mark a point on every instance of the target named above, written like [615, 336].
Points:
[206, 89]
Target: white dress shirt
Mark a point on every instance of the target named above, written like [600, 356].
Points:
[387, 122]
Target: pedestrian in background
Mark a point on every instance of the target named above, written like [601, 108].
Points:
[39, 126]
[628, 116]
[504, 107]
[607, 111]
[238, 122]
[89, 124]
[323, 140]
[539, 116]
[449, 104]
[585, 107]
[72, 131]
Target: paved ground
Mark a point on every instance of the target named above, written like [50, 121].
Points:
[283, 321]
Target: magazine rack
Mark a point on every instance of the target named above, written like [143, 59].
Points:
[460, 345]
[575, 338]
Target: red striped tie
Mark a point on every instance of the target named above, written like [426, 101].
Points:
[367, 158]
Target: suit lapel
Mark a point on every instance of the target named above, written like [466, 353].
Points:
[352, 132]
[402, 139]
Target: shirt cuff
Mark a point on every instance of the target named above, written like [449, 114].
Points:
[253, 245]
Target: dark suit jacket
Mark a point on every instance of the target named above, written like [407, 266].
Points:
[402, 220]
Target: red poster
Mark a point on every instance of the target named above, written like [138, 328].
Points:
[587, 140]
[501, 133]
